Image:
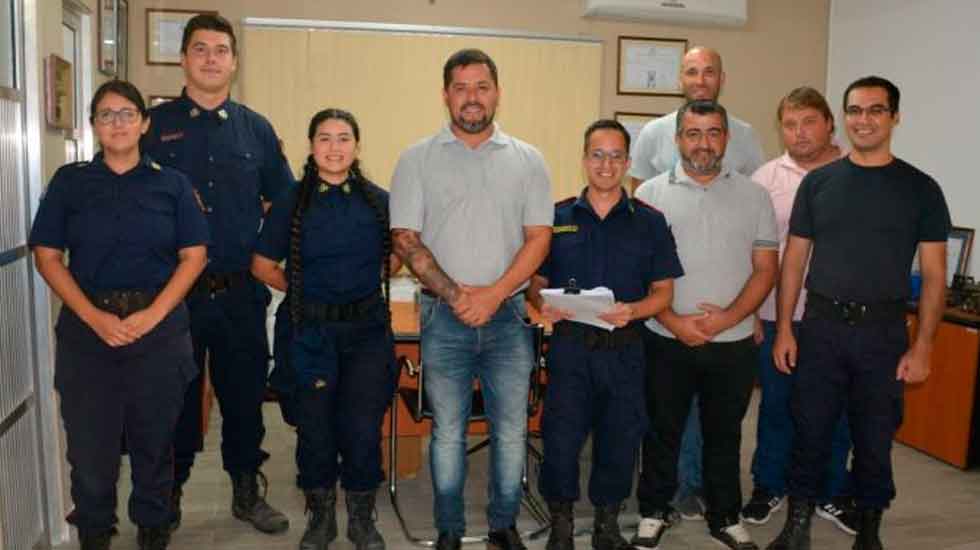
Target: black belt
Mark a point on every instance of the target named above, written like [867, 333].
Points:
[122, 302]
[332, 313]
[596, 338]
[852, 313]
[211, 283]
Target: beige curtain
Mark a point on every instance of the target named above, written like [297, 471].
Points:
[392, 83]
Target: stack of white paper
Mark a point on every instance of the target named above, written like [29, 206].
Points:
[586, 305]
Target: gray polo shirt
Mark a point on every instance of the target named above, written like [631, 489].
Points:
[716, 227]
[655, 152]
[471, 205]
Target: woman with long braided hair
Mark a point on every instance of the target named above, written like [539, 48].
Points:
[332, 230]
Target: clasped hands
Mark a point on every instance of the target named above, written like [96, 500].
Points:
[118, 332]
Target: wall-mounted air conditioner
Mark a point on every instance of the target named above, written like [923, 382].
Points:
[728, 13]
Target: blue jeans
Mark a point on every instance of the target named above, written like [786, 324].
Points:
[774, 444]
[499, 354]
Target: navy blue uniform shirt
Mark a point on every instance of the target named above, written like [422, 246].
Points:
[122, 231]
[625, 252]
[342, 242]
[233, 159]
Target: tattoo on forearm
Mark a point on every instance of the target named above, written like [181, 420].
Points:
[419, 259]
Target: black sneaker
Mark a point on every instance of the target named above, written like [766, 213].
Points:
[649, 532]
[734, 536]
[505, 539]
[840, 511]
[761, 506]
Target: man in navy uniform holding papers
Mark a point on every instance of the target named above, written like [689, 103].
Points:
[595, 382]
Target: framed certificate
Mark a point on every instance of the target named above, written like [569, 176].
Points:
[634, 122]
[164, 32]
[650, 66]
[958, 248]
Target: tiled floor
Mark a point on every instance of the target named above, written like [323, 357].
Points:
[938, 505]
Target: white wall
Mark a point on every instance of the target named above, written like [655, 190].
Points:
[931, 51]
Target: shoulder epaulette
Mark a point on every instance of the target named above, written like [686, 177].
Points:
[563, 202]
[642, 204]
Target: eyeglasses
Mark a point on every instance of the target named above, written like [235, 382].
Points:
[874, 111]
[598, 156]
[124, 116]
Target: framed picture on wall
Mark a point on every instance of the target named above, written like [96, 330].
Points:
[958, 248]
[164, 31]
[59, 93]
[650, 66]
[634, 122]
[122, 39]
[107, 37]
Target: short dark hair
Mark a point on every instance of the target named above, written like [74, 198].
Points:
[466, 57]
[208, 22]
[702, 107]
[122, 88]
[876, 82]
[606, 124]
[805, 97]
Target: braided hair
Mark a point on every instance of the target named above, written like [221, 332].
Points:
[310, 181]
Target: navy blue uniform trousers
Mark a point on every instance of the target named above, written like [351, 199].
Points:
[229, 334]
[345, 379]
[598, 391]
[842, 367]
[134, 392]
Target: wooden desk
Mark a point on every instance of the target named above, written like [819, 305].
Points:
[941, 414]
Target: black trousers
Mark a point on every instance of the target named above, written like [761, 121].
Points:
[229, 336]
[134, 392]
[722, 373]
[843, 367]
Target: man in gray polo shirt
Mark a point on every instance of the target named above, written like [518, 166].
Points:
[471, 216]
[655, 152]
[727, 241]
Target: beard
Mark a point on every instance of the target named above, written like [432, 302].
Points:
[702, 165]
[473, 126]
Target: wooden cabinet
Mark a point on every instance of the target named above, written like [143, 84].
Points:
[940, 416]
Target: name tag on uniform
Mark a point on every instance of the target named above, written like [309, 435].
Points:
[564, 229]
[171, 137]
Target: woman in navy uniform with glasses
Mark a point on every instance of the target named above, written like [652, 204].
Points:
[136, 241]
[334, 343]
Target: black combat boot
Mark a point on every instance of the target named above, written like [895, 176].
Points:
[796, 532]
[321, 525]
[361, 529]
[153, 538]
[605, 530]
[869, 523]
[248, 505]
[95, 540]
[562, 526]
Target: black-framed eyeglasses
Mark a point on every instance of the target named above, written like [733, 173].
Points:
[124, 116]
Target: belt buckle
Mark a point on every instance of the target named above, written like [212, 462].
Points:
[852, 312]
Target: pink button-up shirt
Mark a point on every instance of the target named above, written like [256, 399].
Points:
[781, 176]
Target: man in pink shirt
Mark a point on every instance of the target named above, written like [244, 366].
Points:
[807, 128]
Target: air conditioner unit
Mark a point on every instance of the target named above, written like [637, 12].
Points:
[727, 13]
